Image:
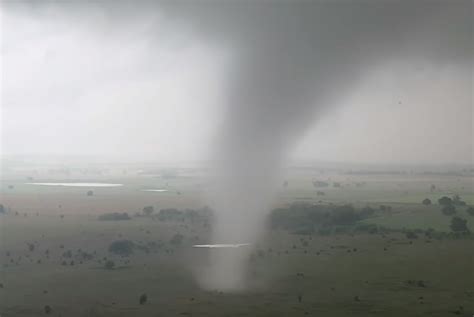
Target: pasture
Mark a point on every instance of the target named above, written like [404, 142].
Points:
[54, 250]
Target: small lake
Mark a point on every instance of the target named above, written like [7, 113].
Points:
[77, 184]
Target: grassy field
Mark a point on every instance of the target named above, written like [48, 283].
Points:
[383, 274]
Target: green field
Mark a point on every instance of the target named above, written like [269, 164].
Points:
[339, 274]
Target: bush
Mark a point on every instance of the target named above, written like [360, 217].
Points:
[177, 239]
[320, 184]
[366, 212]
[148, 210]
[445, 201]
[122, 247]
[449, 210]
[426, 202]
[457, 201]
[324, 231]
[170, 214]
[459, 225]
[470, 211]
[344, 215]
[2, 209]
[367, 227]
[114, 216]
[109, 265]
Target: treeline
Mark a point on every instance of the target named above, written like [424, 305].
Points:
[165, 215]
[306, 218]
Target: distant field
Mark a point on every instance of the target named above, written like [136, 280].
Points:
[291, 275]
[421, 218]
[342, 275]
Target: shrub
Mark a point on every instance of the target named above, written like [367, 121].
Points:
[470, 211]
[114, 216]
[426, 202]
[170, 214]
[47, 309]
[367, 227]
[449, 210]
[320, 184]
[148, 210]
[445, 201]
[366, 212]
[344, 215]
[459, 225]
[324, 231]
[143, 299]
[109, 265]
[457, 201]
[122, 247]
[177, 239]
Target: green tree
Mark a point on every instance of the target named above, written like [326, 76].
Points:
[448, 210]
[445, 201]
[109, 265]
[426, 202]
[470, 211]
[177, 239]
[143, 299]
[148, 210]
[459, 225]
[457, 201]
[122, 247]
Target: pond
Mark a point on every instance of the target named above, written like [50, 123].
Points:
[77, 184]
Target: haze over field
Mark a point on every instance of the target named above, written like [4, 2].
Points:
[248, 87]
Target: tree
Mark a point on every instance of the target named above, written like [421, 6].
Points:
[449, 210]
[366, 212]
[90, 193]
[459, 225]
[344, 215]
[426, 202]
[445, 201]
[143, 299]
[432, 188]
[109, 265]
[122, 247]
[177, 239]
[114, 216]
[48, 309]
[320, 184]
[2, 209]
[457, 201]
[470, 211]
[148, 210]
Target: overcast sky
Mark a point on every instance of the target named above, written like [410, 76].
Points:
[80, 83]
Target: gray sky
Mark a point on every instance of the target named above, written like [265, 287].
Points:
[145, 85]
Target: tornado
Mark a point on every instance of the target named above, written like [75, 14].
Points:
[292, 62]
[288, 63]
